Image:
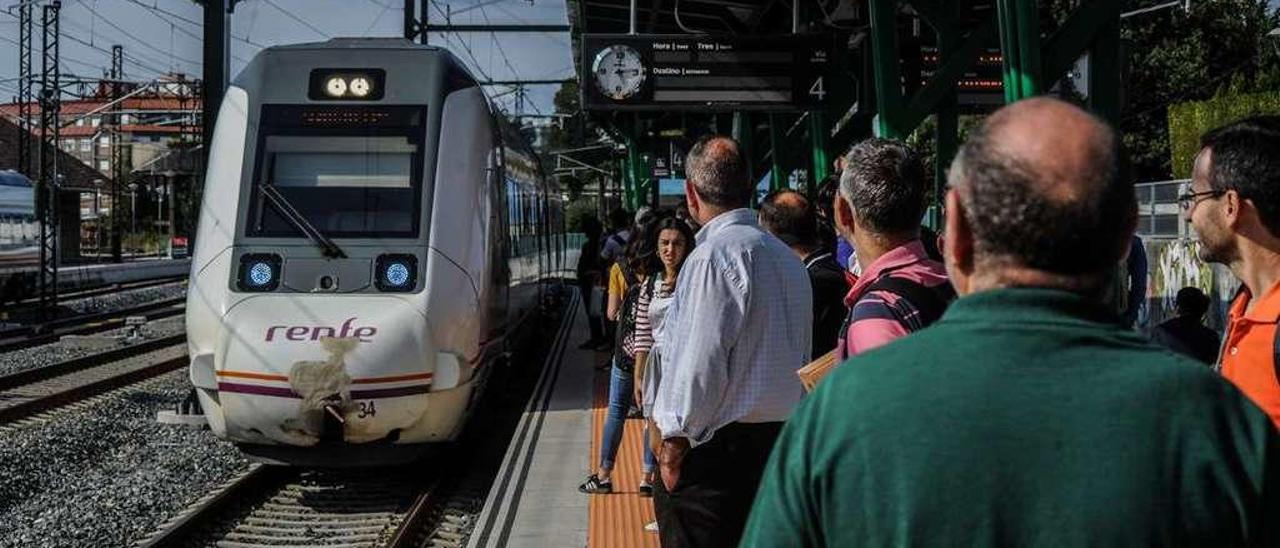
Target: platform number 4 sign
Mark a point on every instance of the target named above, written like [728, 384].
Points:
[817, 89]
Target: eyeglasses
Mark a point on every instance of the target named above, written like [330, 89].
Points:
[1189, 199]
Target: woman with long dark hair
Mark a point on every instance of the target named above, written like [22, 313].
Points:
[672, 241]
[624, 306]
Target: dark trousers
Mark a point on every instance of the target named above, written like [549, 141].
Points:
[610, 327]
[594, 320]
[718, 481]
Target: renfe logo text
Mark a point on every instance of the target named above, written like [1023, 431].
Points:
[314, 332]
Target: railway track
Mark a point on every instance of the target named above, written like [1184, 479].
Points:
[28, 336]
[36, 391]
[24, 306]
[271, 506]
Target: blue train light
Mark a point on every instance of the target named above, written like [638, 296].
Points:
[397, 272]
[259, 272]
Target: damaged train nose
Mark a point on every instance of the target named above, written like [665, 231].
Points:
[299, 373]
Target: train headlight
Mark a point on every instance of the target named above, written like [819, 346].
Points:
[398, 272]
[337, 87]
[347, 84]
[259, 272]
[359, 86]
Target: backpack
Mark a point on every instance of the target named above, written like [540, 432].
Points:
[626, 320]
[931, 302]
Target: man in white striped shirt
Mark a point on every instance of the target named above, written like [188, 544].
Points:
[738, 329]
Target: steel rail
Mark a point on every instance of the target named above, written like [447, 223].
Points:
[31, 399]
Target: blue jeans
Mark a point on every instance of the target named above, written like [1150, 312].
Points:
[621, 385]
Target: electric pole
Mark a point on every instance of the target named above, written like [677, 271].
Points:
[47, 189]
[25, 98]
[117, 149]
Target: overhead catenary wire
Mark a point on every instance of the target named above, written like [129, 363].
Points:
[174, 24]
[385, 9]
[294, 17]
[197, 24]
[494, 36]
[69, 22]
[466, 48]
[138, 40]
[63, 57]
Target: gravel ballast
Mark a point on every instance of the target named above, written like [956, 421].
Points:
[73, 347]
[108, 474]
[127, 298]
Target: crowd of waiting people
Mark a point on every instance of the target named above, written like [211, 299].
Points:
[990, 388]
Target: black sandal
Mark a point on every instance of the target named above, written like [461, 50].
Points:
[594, 486]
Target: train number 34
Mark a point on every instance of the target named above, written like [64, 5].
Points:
[368, 409]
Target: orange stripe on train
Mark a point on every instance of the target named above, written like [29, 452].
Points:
[362, 380]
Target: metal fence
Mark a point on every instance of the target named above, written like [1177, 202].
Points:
[1158, 214]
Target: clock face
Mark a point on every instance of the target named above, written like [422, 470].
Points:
[619, 72]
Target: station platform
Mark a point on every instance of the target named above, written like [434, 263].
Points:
[534, 501]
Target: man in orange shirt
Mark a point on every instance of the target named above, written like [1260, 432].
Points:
[1234, 204]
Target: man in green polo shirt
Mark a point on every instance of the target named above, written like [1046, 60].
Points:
[1027, 416]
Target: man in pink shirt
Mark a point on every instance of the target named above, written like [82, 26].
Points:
[878, 209]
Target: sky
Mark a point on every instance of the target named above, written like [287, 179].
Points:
[162, 36]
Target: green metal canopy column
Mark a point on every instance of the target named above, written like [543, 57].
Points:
[776, 169]
[1020, 45]
[741, 130]
[630, 178]
[884, 53]
[818, 142]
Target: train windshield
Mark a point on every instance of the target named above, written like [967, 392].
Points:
[350, 172]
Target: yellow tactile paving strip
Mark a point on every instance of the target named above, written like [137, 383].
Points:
[618, 520]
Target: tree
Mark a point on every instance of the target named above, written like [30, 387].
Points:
[1174, 57]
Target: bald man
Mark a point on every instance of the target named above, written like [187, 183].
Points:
[1028, 415]
[791, 217]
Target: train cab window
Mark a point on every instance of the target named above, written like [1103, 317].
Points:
[349, 175]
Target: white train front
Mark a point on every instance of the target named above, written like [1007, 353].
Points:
[370, 237]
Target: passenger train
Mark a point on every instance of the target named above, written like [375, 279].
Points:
[372, 234]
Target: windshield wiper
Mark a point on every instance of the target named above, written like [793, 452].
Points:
[286, 209]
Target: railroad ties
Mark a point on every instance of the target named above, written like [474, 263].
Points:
[29, 393]
[331, 508]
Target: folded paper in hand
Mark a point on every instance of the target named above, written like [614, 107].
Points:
[815, 370]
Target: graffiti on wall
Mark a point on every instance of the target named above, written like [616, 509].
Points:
[1175, 264]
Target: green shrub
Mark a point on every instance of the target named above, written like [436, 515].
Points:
[1188, 121]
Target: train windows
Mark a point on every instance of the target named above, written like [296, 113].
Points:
[353, 172]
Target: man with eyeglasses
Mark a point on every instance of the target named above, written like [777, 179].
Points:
[1028, 415]
[1234, 204]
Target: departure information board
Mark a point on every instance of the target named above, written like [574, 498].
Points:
[685, 72]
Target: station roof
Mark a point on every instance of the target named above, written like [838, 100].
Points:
[76, 174]
[694, 16]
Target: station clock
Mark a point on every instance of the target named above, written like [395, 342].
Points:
[619, 72]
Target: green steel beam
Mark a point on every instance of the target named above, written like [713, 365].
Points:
[775, 153]
[888, 84]
[1020, 45]
[645, 182]
[1094, 26]
[818, 143]
[741, 131]
[1075, 36]
[1105, 86]
[1030, 77]
[629, 180]
[943, 82]
[947, 129]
